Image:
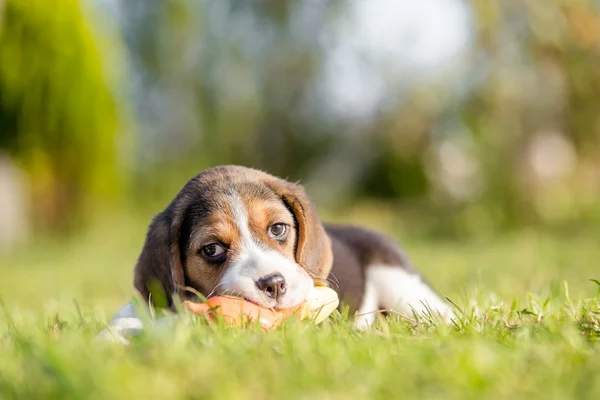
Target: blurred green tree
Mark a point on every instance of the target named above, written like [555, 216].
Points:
[58, 117]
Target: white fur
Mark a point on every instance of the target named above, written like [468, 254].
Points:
[365, 316]
[393, 288]
[127, 311]
[124, 323]
[255, 261]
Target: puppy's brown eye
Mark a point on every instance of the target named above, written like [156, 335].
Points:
[278, 231]
[212, 251]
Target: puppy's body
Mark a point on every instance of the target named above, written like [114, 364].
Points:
[236, 230]
[371, 272]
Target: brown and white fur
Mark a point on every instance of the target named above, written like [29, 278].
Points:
[236, 230]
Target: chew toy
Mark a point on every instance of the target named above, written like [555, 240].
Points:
[319, 304]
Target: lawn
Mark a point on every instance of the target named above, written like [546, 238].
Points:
[529, 328]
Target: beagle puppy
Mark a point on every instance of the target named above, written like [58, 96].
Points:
[239, 231]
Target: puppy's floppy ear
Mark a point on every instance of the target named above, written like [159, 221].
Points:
[158, 273]
[313, 246]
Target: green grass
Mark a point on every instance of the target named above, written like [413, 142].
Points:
[530, 328]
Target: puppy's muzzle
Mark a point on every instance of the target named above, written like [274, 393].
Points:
[273, 285]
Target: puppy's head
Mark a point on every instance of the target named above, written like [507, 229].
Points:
[239, 231]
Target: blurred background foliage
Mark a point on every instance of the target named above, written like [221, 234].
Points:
[58, 115]
[468, 117]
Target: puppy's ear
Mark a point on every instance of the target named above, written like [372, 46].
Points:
[158, 273]
[313, 247]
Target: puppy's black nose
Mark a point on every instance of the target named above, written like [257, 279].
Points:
[273, 285]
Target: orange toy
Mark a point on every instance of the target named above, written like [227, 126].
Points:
[320, 303]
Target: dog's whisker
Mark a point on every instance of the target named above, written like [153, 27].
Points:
[231, 292]
[316, 278]
[333, 277]
[333, 285]
[333, 281]
[212, 292]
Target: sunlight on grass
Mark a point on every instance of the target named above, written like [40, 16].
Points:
[547, 348]
[528, 326]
